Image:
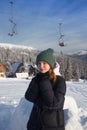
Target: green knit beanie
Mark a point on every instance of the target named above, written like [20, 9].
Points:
[47, 56]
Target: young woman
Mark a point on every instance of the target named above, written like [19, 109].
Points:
[47, 92]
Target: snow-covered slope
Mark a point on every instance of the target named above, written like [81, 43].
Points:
[80, 55]
[15, 109]
[81, 52]
[10, 46]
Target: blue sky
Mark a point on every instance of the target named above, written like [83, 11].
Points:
[38, 23]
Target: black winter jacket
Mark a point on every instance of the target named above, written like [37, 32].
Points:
[48, 98]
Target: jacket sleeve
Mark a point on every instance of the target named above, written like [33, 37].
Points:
[60, 91]
[31, 93]
[52, 98]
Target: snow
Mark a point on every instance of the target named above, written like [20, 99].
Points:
[15, 109]
[10, 46]
[81, 52]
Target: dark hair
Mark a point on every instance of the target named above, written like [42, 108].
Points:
[52, 75]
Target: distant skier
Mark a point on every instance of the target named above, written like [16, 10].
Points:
[47, 92]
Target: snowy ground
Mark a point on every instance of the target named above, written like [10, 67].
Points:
[15, 109]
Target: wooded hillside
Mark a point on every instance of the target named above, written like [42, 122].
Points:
[70, 67]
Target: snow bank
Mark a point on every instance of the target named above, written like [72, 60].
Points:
[5, 115]
[72, 119]
[15, 109]
[20, 116]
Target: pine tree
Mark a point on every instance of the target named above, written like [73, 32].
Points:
[68, 70]
[76, 73]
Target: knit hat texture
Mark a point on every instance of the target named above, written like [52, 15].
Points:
[47, 56]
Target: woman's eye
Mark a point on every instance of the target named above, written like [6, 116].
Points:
[44, 63]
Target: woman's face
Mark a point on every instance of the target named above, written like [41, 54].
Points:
[43, 66]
